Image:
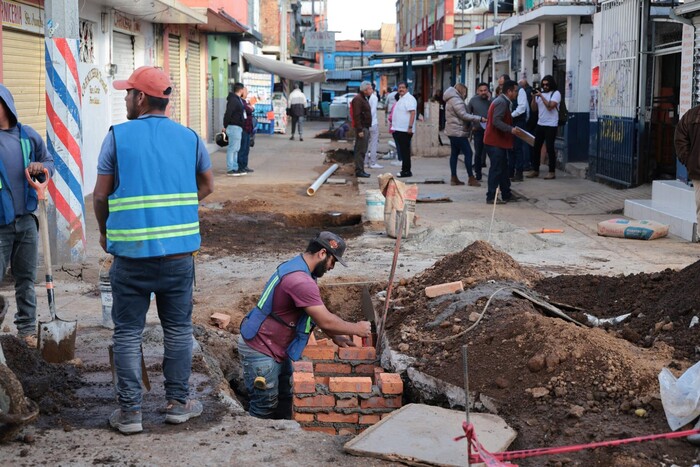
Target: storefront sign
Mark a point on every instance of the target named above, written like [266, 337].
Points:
[125, 23]
[94, 86]
[503, 53]
[21, 16]
[319, 41]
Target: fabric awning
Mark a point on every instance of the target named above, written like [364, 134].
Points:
[286, 70]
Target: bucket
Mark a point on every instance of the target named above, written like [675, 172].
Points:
[106, 297]
[375, 205]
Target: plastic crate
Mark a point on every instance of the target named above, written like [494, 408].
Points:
[266, 128]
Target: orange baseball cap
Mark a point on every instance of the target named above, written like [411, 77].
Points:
[149, 80]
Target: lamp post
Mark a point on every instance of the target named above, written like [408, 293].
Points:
[362, 47]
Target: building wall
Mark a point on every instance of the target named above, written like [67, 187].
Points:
[270, 22]
[421, 22]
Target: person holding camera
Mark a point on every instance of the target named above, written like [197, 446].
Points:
[546, 102]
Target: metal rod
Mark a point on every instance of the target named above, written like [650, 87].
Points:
[465, 358]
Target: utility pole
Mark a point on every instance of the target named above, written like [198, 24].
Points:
[362, 49]
[64, 130]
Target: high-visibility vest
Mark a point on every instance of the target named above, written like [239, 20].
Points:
[263, 310]
[153, 209]
[7, 208]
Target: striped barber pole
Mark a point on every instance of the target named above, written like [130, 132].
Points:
[64, 141]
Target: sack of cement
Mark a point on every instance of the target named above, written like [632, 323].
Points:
[680, 397]
[398, 196]
[638, 230]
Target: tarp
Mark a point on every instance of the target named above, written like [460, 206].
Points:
[286, 70]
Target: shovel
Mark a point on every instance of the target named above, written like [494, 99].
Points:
[56, 337]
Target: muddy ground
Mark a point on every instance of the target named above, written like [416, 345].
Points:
[552, 381]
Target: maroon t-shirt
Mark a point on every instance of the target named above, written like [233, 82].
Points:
[296, 291]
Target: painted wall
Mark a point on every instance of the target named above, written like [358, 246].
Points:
[219, 50]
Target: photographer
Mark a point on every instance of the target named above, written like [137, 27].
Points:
[545, 101]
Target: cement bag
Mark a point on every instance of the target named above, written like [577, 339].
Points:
[638, 230]
[680, 397]
[397, 195]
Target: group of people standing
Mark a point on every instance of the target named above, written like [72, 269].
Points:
[239, 127]
[496, 126]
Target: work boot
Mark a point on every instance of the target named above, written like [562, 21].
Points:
[291, 138]
[301, 139]
[126, 422]
[176, 412]
[532, 174]
[455, 181]
[473, 182]
[550, 176]
[518, 177]
[30, 340]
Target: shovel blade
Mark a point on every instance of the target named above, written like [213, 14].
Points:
[57, 340]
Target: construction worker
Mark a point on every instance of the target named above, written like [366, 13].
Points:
[275, 332]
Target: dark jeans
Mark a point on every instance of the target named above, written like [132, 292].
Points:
[498, 173]
[460, 145]
[18, 247]
[296, 122]
[244, 151]
[403, 145]
[479, 153]
[519, 156]
[544, 135]
[361, 149]
[132, 281]
[275, 400]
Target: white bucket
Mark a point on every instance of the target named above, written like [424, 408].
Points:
[106, 297]
[375, 205]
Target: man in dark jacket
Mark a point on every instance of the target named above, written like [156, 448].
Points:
[687, 142]
[21, 148]
[479, 105]
[361, 116]
[234, 119]
[498, 138]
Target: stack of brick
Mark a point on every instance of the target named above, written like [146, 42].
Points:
[342, 390]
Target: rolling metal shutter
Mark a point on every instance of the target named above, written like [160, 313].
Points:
[696, 65]
[123, 57]
[194, 87]
[25, 76]
[174, 59]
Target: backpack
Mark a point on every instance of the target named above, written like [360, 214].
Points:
[563, 113]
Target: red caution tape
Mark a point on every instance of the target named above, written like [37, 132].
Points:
[495, 459]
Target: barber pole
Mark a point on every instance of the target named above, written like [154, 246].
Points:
[64, 141]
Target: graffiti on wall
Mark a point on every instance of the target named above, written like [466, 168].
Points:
[617, 90]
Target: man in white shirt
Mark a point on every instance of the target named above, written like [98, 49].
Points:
[520, 155]
[546, 102]
[371, 156]
[403, 124]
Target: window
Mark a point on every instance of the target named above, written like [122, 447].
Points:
[87, 42]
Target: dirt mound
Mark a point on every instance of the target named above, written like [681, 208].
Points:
[662, 305]
[341, 156]
[476, 263]
[50, 385]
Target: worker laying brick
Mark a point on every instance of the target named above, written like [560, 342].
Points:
[275, 332]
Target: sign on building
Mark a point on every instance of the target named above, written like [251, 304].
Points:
[319, 41]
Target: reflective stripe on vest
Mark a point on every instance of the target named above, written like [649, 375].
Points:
[152, 233]
[153, 201]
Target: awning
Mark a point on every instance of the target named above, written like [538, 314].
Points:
[429, 53]
[286, 70]
[222, 23]
[160, 11]
[394, 65]
[550, 13]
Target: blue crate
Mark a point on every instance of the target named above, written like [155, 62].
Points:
[266, 128]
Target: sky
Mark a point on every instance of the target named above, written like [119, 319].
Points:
[351, 16]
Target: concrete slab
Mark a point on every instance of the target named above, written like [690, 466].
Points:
[424, 435]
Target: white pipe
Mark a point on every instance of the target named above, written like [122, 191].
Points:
[320, 180]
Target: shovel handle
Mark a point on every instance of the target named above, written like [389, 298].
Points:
[40, 187]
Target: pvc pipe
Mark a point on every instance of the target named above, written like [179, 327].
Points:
[320, 180]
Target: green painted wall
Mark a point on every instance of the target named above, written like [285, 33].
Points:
[219, 47]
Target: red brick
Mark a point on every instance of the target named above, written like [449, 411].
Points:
[369, 419]
[303, 366]
[381, 403]
[304, 383]
[339, 368]
[322, 380]
[324, 429]
[347, 403]
[350, 384]
[347, 431]
[357, 353]
[326, 343]
[319, 352]
[220, 320]
[315, 401]
[312, 339]
[303, 417]
[364, 369]
[377, 371]
[334, 417]
[384, 415]
[390, 383]
[357, 340]
[443, 289]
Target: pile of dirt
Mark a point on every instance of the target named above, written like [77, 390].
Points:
[552, 381]
[52, 386]
[662, 305]
[341, 156]
[478, 262]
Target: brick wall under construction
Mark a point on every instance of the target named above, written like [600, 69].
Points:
[342, 390]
